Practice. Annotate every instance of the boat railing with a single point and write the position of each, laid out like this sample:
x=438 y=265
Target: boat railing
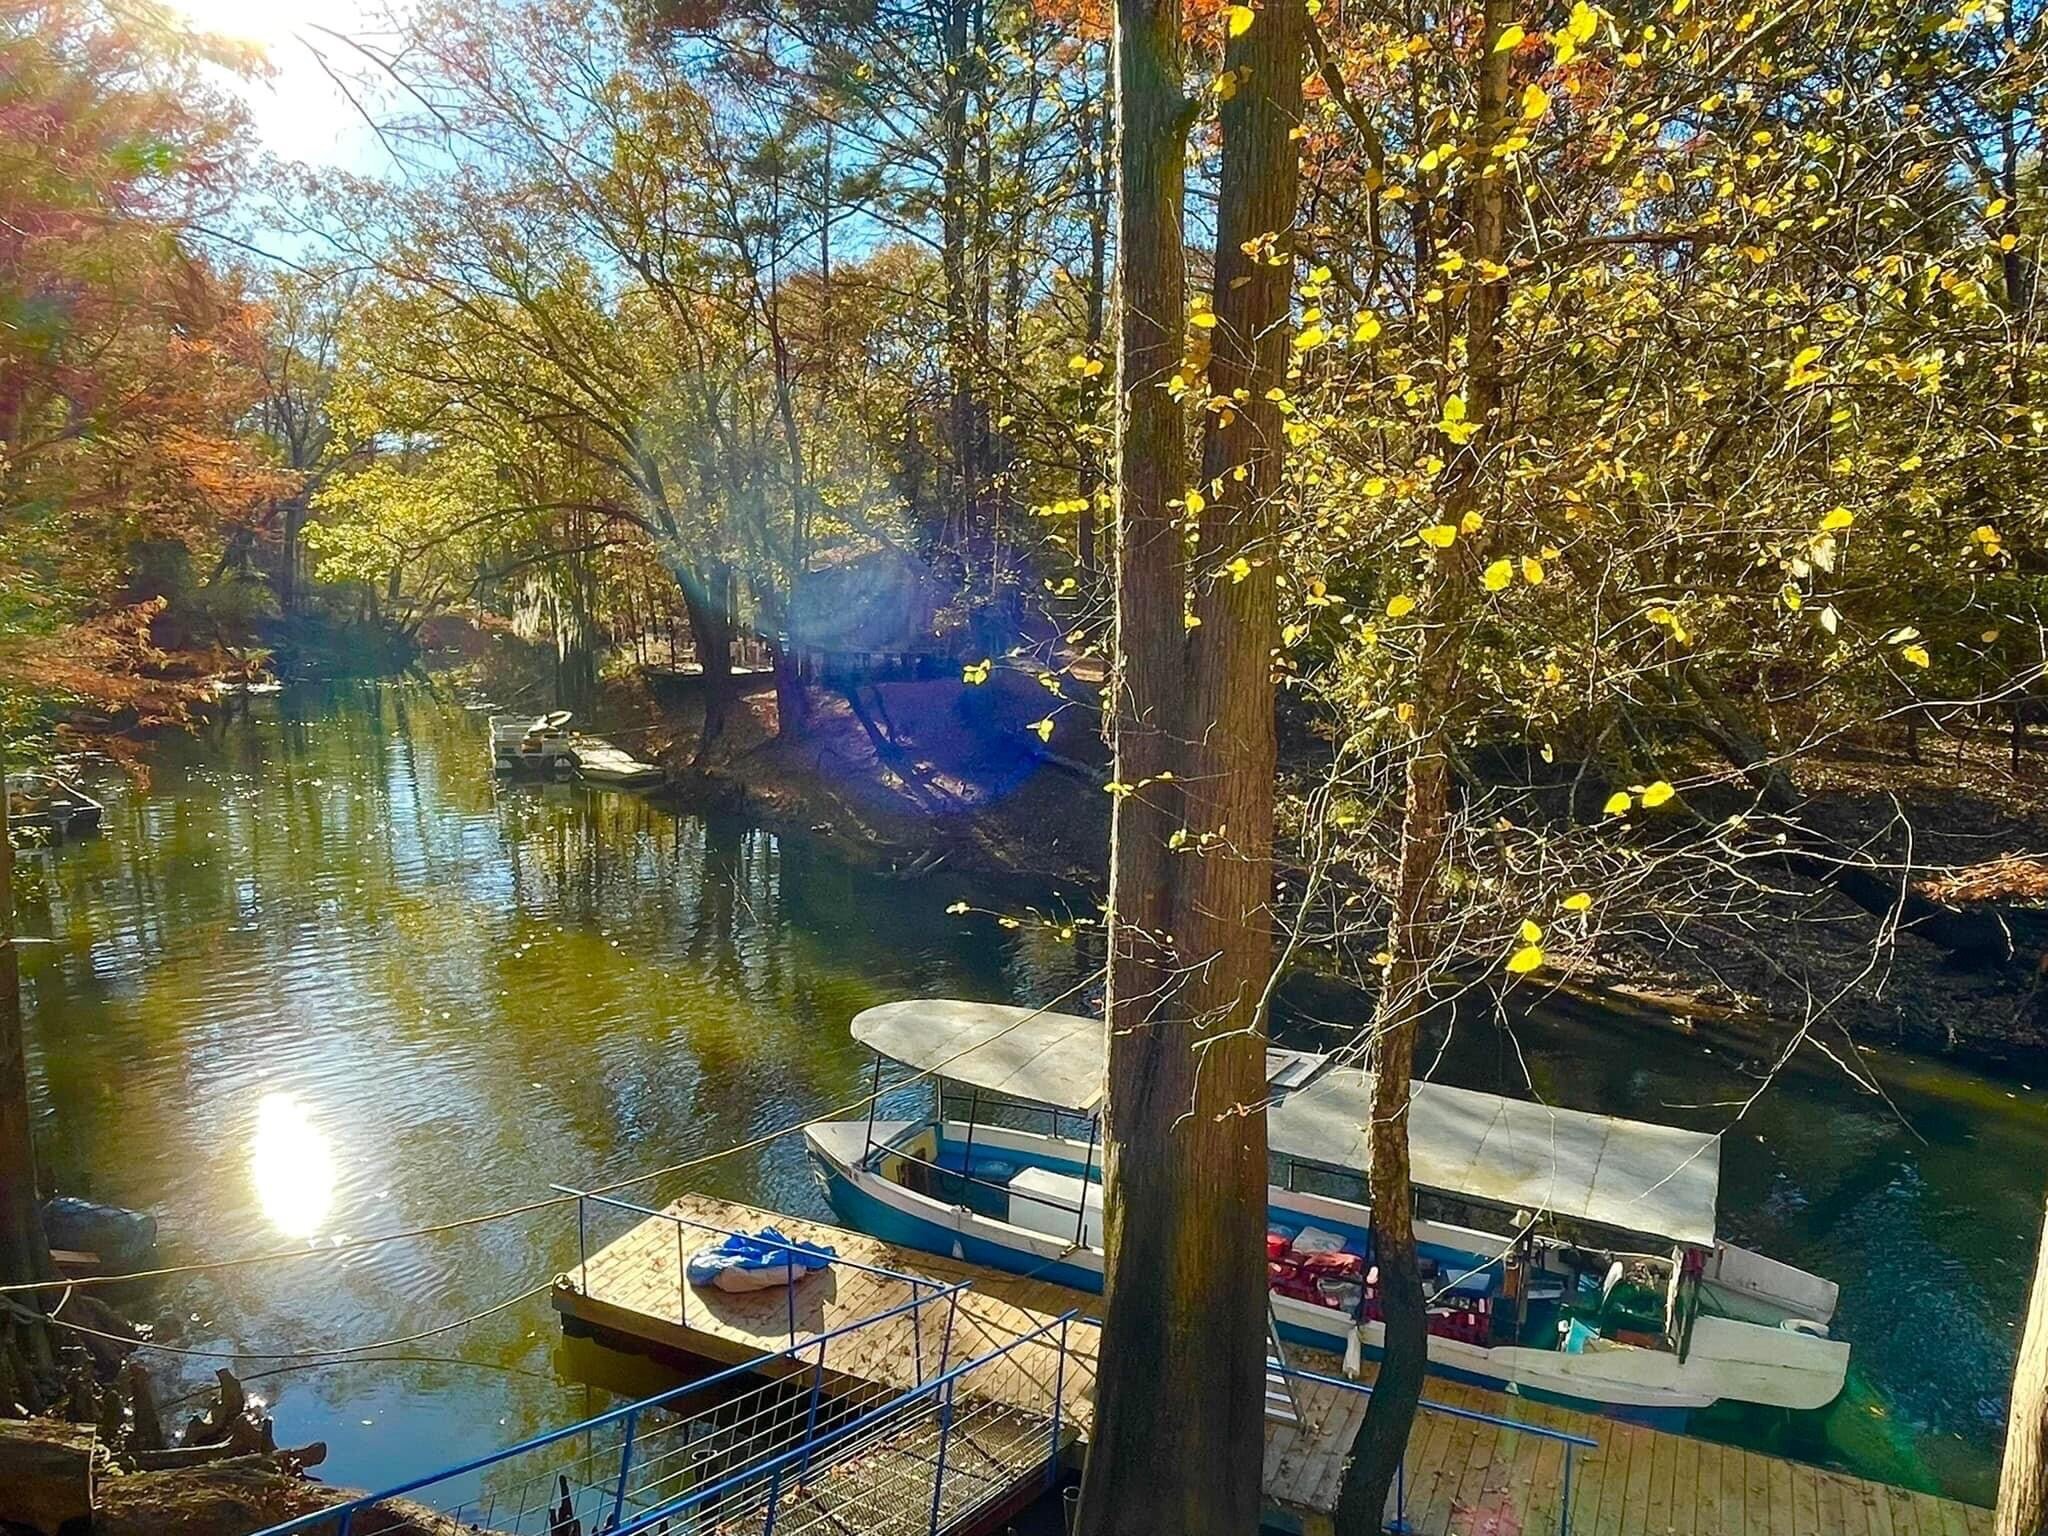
x=930 y=1335
x=1064 y=1207
x=757 y=1446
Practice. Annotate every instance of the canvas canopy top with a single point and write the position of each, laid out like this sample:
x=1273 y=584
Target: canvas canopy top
x=1629 y=1175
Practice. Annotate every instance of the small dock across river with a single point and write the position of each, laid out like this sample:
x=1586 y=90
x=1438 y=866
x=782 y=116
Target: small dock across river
x=1478 y=1460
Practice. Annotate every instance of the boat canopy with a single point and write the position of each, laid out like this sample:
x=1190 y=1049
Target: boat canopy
x=1629 y=1175
x=1048 y=1058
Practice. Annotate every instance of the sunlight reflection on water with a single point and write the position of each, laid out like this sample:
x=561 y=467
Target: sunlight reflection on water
x=291 y=1166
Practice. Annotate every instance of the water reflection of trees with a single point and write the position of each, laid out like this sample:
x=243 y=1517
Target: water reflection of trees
x=475 y=989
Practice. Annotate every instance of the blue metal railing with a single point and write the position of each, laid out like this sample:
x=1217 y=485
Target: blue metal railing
x=794 y=1249
x=1570 y=1441
x=940 y=1391
x=341 y=1516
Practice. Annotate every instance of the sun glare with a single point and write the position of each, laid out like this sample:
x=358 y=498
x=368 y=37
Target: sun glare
x=291 y=1166
x=296 y=107
x=248 y=21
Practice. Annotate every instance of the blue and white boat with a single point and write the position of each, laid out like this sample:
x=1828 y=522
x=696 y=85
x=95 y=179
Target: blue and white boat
x=1590 y=1275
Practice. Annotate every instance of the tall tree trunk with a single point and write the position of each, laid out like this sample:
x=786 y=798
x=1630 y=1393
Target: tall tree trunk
x=1412 y=937
x=707 y=604
x=1094 y=144
x=953 y=264
x=2023 y=1483
x=1155 y=1462
x=1223 y=920
x=25 y=1348
x=1179 y=1403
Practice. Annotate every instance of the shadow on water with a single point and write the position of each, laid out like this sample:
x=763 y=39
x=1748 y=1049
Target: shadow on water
x=322 y=978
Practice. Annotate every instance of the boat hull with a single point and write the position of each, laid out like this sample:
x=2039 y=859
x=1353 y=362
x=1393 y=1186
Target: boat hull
x=1638 y=1385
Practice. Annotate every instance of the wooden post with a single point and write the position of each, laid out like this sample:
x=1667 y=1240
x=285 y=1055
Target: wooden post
x=2023 y=1482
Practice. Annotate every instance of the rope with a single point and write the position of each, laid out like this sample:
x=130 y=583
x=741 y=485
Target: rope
x=340 y=1351
x=278 y=1255
x=355 y=1245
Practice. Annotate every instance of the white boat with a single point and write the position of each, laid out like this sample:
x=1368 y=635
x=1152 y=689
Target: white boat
x=532 y=744
x=1573 y=1256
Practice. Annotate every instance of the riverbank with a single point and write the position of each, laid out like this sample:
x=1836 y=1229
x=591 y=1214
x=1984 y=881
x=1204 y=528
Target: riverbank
x=940 y=774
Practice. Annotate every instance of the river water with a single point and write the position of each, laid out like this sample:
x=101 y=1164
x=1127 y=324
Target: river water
x=320 y=979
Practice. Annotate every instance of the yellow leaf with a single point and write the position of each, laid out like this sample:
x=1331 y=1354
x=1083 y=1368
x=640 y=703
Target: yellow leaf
x=1524 y=960
x=1205 y=320
x=1471 y=523
x=1531 y=930
x=1400 y=607
x=1310 y=339
x=1044 y=728
x=1194 y=501
x=977 y=671
x=1532 y=570
x=1510 y=37
x=1368 y=327
x=1239 y=569
x=1535 y=101
x=1239 y=18
x=1804 y=369
x=1439 y=535
x=1656 y=794
x=1837 y=520
x=1498 y=575
x=1917 y=654
x=1618 y=803
x=1585 y=21
x=1578 y=901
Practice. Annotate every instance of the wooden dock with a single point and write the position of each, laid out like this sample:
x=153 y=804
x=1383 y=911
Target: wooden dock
x=1464 y=1477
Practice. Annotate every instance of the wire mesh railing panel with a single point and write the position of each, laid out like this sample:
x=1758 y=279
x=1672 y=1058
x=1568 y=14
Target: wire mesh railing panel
x=687 y=1452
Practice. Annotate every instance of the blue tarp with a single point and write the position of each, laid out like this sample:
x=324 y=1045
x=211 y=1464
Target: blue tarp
x=740 y=1262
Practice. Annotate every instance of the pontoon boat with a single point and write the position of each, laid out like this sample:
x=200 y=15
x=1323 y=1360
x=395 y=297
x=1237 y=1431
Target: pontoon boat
x=1569 y=1256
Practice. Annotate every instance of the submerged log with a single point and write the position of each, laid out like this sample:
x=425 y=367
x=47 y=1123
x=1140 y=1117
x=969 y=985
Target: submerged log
x=46 y=1473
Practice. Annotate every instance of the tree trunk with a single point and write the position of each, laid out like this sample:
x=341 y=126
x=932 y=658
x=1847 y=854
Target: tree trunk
x=1412 y=937
x=1154 y=1464
x=953 y=263
x=1223 y=920
x=1093 y=134
x=2023 y=1483
x=1179 y=1404
x=707 y=605
x=24 y=1248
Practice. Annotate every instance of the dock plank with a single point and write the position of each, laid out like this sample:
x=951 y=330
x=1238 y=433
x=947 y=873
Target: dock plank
x=1459 y=1476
